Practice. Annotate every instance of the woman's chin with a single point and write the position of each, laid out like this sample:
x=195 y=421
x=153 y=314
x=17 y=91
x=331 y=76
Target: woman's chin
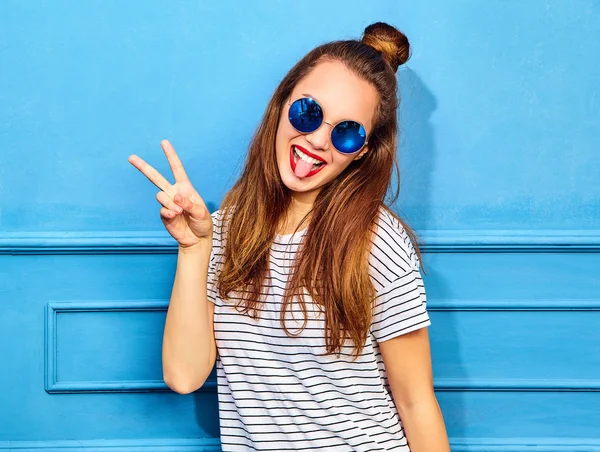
x=296 y=184
x=299 y=184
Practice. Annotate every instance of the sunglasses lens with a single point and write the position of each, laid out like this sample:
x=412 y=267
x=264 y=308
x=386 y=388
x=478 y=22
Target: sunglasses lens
x=348 y=137
x=305 y=115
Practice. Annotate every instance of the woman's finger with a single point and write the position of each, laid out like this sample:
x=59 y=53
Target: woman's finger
x=167 y=202
x=167 y=214
x=193 y=209
x=174 y=161
x=155 y=177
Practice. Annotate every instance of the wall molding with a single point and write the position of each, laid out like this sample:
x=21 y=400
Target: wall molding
x=516 y=385
x=510 y=240
x=111 y=242
x=55 y=386
x=213 y=445
x=513 y=304
x=520 y=384
x=125 y=445
x=525 y=445
x=160 y=242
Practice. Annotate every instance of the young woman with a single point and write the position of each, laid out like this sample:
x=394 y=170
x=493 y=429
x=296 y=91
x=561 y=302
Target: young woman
x=304 y=284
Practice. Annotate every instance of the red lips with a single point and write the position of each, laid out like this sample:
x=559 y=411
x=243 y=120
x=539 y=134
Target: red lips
x=293 y=161
x=310 y=154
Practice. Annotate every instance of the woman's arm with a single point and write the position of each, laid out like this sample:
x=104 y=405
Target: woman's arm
x=407 y=360
x=189 y=349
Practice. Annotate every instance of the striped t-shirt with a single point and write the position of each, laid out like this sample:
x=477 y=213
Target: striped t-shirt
x=280 y=393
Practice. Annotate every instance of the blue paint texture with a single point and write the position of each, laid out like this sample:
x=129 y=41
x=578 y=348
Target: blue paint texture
x=500 y=171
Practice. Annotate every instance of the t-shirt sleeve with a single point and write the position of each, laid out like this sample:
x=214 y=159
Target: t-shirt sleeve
x=400 y=306
x=212 y=291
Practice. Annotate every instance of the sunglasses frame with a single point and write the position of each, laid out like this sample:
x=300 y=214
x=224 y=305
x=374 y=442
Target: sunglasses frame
x=333 y=126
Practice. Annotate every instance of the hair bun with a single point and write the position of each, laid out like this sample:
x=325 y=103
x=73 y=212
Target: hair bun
x=388 y=40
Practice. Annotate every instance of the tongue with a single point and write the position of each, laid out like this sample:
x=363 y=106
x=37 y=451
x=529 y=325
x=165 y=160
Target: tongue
x=302 y=168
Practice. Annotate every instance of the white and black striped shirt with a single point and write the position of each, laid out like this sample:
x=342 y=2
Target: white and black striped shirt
x=279 y=393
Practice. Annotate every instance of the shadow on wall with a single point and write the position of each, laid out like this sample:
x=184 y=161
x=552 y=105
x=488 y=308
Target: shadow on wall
x=206 y=409
x=416 y=159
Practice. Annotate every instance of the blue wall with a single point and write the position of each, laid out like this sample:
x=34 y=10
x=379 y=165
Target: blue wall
x=500 y=177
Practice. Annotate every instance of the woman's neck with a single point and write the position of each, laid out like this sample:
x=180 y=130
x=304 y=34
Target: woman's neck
x=298 y=209
x=302 y=202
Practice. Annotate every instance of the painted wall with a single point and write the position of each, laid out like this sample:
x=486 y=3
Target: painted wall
x=500 y=117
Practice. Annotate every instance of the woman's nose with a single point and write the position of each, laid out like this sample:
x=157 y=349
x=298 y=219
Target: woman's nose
x=319 y=139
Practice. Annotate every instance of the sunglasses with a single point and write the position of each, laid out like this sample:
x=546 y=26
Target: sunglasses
x=306 y=116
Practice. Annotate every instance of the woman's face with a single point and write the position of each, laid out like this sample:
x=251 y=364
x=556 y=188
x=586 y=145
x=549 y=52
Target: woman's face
x=342 y=95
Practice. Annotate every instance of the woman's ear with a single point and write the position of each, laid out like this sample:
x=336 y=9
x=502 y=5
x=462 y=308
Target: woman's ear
x=359 y=156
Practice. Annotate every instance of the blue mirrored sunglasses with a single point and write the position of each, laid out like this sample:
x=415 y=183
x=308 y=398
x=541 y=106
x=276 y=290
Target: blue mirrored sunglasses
x=306 y=116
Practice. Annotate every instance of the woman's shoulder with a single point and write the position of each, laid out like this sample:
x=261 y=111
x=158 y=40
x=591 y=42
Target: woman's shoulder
x=217 y=216
x=220 y=217
x=392 y=249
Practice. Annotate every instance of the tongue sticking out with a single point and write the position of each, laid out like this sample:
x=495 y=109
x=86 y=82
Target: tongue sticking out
x=302 y=168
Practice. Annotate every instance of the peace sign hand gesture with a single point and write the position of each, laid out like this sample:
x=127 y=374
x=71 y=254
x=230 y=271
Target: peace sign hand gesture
x=184 y=213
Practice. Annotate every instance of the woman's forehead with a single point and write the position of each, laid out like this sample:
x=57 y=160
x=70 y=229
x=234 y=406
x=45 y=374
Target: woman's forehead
x=341 y=93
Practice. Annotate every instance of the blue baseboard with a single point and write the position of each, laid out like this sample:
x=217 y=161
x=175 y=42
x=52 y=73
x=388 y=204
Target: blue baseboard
x=129 y=445
x=525 y=445
x=213 y=445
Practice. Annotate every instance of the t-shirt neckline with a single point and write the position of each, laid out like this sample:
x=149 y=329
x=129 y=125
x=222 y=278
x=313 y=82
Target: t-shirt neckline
x=289 y=237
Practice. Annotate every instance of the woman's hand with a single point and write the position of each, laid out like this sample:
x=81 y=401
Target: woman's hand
x=183 y=211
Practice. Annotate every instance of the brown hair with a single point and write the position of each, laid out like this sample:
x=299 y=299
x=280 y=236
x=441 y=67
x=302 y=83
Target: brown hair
x=332 y=263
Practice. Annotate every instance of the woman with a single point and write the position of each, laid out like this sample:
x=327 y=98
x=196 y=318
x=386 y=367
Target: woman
x=317 y=307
